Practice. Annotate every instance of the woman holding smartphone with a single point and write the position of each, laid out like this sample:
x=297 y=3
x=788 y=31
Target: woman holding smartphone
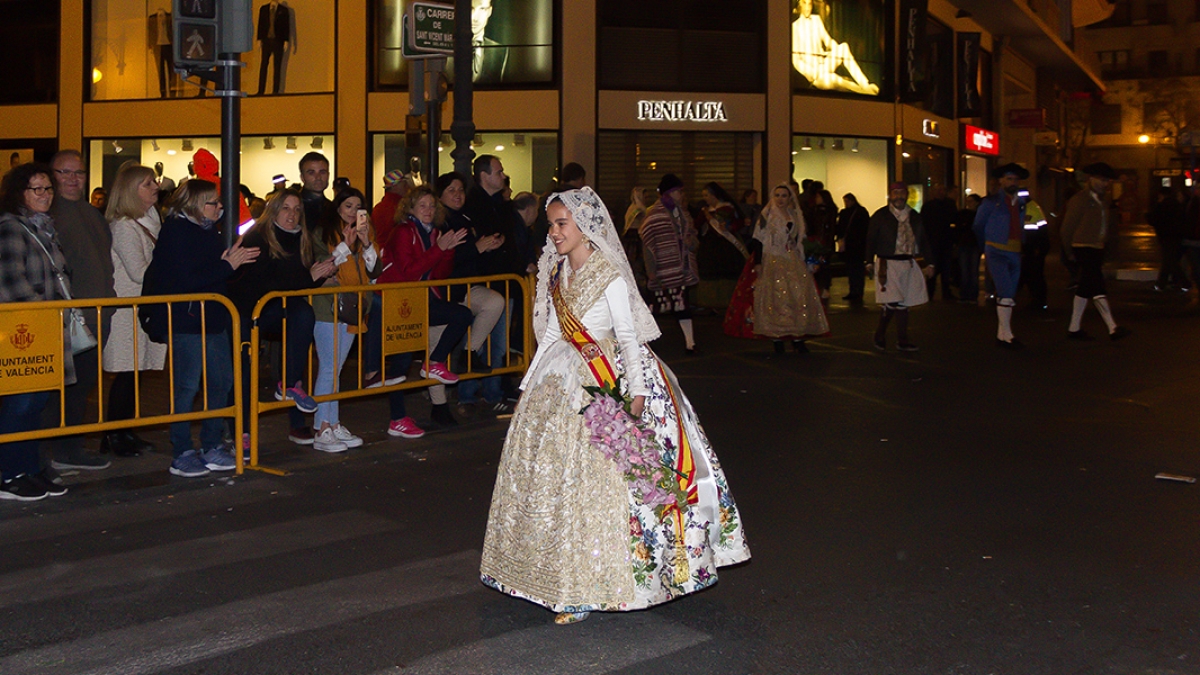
x=347 y=237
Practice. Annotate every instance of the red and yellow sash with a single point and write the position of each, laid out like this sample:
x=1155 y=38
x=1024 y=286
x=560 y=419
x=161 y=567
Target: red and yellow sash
x=574 y=333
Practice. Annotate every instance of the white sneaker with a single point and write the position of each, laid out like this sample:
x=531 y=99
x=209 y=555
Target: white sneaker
x=326 y=441
x=343 y=434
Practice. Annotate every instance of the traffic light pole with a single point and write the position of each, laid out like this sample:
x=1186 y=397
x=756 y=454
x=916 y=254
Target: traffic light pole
x=231 y=141
x=462 y=129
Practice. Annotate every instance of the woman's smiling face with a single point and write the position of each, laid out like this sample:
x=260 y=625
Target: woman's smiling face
x=39 y=194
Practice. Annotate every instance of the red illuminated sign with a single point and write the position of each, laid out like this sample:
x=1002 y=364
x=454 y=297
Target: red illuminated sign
x=979 y=140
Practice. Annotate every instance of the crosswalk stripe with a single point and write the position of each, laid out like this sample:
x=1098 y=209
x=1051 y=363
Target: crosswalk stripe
x=97 y=518
x=605 y=643
x=179 y=557
x=183 y=640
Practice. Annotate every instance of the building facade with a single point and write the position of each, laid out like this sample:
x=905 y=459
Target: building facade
x=855 y=93
x=1149 y=53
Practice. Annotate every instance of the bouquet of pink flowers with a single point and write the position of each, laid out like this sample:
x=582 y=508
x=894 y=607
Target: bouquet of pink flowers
x=627 y=441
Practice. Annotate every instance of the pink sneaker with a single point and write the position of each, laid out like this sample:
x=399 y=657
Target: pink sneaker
x=438 y=371
x=405 y=428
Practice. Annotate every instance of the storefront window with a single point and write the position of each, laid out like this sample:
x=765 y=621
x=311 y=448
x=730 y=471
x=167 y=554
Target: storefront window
x=855 y=165
x=838 y=45
x=262 y=158
x=131 y=50
x=530 y=159
x=514 y=43
x=629 y=159
x=682 y=45
x=975 y=175
x=923 y=167
x=29 y=45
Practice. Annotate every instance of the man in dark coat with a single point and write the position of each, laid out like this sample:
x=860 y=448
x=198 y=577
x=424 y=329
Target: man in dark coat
x=896 y=242
x=852 y=225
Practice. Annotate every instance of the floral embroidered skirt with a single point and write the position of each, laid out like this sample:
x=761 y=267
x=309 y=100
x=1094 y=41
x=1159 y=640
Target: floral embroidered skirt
x=565 y=531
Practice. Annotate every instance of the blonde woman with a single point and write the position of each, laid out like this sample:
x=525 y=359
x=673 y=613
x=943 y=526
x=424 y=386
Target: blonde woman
x=133 y=218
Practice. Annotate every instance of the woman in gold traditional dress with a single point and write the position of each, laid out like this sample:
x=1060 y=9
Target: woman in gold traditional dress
x=787 y=303
x=566 y=530
x=776 y=296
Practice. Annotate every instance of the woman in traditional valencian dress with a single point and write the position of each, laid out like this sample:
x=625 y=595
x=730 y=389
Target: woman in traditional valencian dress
x=566 y=529
x=776 y=296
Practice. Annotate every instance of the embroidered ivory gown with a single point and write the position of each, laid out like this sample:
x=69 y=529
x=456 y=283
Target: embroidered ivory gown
x=564 y=530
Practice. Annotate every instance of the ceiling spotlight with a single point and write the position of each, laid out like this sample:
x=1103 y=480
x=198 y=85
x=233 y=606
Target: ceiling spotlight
x=317 y=142
x=187 y=145
x=478 y=140
x=820 y=143
x=807 y=144
x=518 y=139
x=839 y=144
x=154 y=144
x=268 y=143
x=291 y=145
x=117 y=147
x=855 y=148
x=447 y=139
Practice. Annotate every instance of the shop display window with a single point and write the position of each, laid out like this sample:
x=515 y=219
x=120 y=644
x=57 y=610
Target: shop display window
x=975 y=175
x=530 y=159
x=923 y=167
x=629 y=159
x=682 y=45
x=844 y=164
x=173 y=159
x=29 y=45
x=838 y=46
x=131 y=50
x=514 y=43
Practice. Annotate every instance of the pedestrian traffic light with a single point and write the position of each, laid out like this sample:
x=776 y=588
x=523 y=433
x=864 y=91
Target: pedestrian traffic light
x=196 y=33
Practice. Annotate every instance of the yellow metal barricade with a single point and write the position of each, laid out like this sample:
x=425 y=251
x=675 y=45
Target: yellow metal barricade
x=31 y=359
x=406 y=304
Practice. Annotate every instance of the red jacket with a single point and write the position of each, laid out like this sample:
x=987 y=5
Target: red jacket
x=405 y=257
x=383 y=216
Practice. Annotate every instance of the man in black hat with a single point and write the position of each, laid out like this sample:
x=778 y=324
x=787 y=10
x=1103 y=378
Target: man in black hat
x=1089 y=225
x=669 y=243
x=1000 y=225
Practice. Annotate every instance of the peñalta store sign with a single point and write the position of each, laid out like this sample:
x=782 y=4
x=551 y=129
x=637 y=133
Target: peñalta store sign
x=681 y=111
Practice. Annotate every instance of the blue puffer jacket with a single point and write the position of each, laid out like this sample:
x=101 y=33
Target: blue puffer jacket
x=991 y=220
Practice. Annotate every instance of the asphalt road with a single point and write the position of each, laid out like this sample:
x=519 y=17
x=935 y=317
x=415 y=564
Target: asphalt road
x=961 y=510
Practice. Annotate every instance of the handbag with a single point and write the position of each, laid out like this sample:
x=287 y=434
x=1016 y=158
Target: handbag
x=78 y=333
x=347 y=303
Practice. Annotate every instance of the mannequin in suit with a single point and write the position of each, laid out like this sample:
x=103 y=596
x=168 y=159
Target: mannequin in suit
x=274 y=32
x=158 y=39
x=489 y=58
